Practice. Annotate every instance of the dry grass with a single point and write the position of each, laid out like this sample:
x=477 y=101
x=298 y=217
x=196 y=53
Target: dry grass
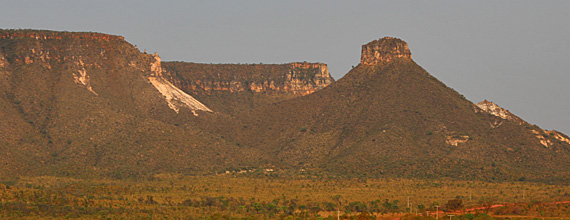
x=167 y=196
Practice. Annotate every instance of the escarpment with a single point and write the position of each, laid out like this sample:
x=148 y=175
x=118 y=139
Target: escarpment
x=299 y=78
x=95 y=61
x=55 y=35
x=93 y=103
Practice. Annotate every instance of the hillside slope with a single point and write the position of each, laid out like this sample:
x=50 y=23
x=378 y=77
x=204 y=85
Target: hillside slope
x=389 y=117
x=83 y=103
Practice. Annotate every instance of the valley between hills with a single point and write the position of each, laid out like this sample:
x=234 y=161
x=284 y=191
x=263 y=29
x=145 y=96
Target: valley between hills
x=91 y=127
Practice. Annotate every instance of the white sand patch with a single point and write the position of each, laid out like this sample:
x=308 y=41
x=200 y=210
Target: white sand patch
x=175 y=97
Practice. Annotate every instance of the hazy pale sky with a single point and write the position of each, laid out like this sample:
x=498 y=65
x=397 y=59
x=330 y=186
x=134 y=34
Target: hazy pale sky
x=514 y=53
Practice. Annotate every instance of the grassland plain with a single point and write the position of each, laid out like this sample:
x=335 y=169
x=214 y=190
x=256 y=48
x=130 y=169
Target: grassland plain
x=263 y=196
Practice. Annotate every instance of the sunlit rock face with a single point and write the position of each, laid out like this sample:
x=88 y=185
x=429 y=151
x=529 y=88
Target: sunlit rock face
x=298 y=78
x=384 y=50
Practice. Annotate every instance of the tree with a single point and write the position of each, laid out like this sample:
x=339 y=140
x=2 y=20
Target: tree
x=487 y=202
x=391 y=206
x=258 y=207
x=336 y=198
x=329 y=206
x=454 y=204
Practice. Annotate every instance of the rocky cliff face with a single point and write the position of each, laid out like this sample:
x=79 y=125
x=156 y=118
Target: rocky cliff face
x=300 y=78
x=305 y=78
x=384 y=50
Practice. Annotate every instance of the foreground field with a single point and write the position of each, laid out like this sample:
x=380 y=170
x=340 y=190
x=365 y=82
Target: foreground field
x=234 y=196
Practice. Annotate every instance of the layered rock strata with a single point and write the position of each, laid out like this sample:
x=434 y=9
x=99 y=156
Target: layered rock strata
x=384 y=50
x=300 y=78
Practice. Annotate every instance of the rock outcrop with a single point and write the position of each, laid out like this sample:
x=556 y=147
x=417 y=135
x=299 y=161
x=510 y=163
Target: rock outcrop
x=384 y=50
x=558 y=136
x=496 y=110
x=305 y=78
x=82 y=78
x=299 y=78
x=545 y=137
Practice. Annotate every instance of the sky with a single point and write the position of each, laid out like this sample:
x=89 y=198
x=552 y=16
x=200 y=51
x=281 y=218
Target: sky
x=513 y=53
